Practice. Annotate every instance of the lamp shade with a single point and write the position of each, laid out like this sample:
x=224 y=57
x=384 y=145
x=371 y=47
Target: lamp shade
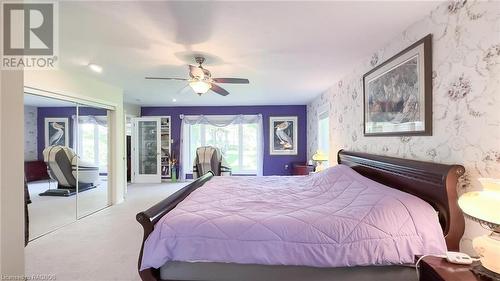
x=490 y=184
x=483 y=205
x=200 y=87
x=319 y=156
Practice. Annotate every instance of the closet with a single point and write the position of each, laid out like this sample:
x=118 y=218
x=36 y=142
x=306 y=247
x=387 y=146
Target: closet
x=67 y=161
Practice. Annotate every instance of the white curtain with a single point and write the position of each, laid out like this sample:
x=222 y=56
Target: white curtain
x=91 y=119
x=88 y=119
x=219 y=121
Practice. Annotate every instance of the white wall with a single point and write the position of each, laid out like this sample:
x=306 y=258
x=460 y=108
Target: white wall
x=11 y=174
x=466 y=98
x=132 y=109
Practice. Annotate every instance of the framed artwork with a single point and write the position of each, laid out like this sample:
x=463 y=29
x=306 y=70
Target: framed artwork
x=56 y=131
x=397 y=94
x=283 y=135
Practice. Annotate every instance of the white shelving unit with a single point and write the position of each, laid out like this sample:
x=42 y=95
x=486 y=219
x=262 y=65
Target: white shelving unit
x=166 y=146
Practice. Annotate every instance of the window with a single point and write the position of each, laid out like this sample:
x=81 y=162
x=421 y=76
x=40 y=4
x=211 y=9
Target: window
x=93 y=144
x=237 y=142
x=324 y=132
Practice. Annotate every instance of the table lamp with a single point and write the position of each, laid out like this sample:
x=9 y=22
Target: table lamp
x=319 y=157
x=484 y=208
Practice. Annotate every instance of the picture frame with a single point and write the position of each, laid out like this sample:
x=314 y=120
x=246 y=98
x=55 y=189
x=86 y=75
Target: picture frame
x=56 y=131
x=397 y=94
x=283 y=135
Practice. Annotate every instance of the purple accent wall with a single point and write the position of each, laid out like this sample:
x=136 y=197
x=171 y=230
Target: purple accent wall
x=273 y=164
x=60 y=112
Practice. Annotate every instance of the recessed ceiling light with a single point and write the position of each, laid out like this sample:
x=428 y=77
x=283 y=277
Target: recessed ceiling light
x=94 y=67
x=174 y=100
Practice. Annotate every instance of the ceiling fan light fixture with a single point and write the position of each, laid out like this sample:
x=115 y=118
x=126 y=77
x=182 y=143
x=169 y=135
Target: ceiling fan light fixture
x=200 y=79
x=200 y=87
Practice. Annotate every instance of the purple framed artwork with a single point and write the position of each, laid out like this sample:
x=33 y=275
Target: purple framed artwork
x=283 y=135
x=56 y=132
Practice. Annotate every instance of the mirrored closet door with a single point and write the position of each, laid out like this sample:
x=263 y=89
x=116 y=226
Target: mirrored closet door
x=66 y=162
x=92 y=148
x=48 y=170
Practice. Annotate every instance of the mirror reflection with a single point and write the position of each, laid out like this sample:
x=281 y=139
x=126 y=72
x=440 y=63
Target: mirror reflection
x=48 y=155
x=92 y=148
x=66 y=162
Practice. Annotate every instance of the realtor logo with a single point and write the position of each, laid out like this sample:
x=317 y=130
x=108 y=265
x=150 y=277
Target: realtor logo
x=29 y=35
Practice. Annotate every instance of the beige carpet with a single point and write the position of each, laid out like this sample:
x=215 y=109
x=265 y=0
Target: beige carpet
x=51 y=212
x=103 y=246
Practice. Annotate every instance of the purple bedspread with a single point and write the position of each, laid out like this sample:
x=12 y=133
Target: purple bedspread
x=330 y=219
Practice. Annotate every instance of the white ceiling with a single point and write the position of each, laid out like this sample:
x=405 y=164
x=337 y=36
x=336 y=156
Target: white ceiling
x=290 y=51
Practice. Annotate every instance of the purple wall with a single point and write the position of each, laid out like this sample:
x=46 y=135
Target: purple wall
x=60 y=112
x=273 y=164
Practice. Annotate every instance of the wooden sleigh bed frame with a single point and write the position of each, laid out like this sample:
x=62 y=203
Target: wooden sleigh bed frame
x=434 y=183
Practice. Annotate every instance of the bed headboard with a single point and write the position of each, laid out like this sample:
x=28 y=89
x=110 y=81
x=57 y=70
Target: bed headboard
x=435 y=183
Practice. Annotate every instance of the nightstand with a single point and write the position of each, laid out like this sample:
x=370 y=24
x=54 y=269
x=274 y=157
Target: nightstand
x=299 y=169
x=438 y=269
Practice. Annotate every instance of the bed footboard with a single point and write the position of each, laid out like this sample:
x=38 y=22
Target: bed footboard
x=151 y=216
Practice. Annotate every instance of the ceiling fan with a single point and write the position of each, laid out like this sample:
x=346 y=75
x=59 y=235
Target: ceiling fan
x=201 y=80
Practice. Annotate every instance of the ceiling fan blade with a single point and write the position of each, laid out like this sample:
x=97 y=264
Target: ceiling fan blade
x=181 y=93
x=166 y=78
x=231 y=80
x=219 y=90
x=185 y=90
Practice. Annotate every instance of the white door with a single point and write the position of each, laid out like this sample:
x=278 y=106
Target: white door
x=147 y=150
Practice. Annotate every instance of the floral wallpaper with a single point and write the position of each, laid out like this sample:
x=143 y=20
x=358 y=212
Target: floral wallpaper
x=30 y=133
x=466 y=97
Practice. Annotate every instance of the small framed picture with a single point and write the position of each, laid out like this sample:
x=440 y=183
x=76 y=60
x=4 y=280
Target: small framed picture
x=398 y=93
x=283 y=135
x=56 y=131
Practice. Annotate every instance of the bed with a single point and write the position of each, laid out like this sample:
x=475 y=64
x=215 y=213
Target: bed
x=280 y=228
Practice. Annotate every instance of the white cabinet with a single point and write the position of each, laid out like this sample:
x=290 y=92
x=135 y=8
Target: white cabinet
x=151 y=149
